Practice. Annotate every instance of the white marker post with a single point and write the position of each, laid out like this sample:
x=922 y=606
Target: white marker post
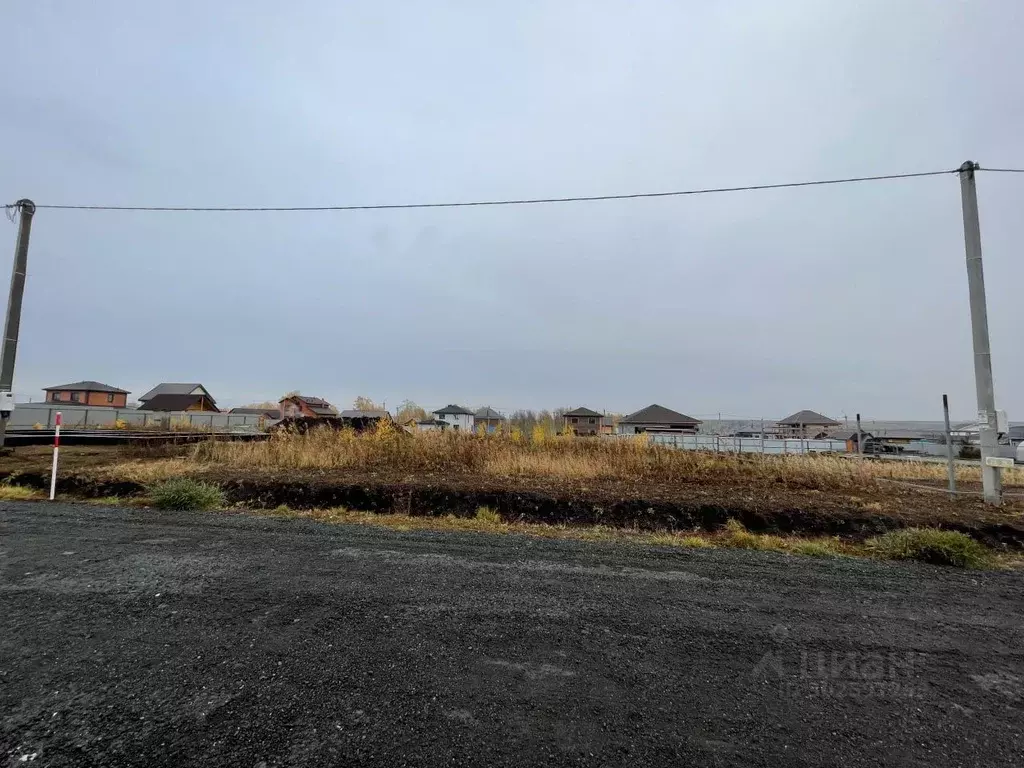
x=56 y=450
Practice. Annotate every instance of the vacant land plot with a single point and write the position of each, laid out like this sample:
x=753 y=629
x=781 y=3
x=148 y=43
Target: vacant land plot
x=555 y=480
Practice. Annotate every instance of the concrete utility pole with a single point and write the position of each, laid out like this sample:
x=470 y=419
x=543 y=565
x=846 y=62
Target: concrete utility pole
x=950 y=467
x=13 y=323
x=990 y=478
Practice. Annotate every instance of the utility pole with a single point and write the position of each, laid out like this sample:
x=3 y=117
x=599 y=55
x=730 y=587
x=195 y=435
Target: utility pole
x=950 y=467
x=990 y=478
x=13 y=323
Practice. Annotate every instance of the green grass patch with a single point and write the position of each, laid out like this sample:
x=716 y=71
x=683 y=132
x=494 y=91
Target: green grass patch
x=183 y=493
x=816 y=547
x=18 y=493
x=931 y=545
x=487 y=515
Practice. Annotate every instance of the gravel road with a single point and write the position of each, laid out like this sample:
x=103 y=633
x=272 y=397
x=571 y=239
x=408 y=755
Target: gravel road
x=132 y=637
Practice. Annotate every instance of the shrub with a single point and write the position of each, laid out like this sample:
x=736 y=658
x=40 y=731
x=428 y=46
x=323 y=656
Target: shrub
x=931 y=545
x=185 y=493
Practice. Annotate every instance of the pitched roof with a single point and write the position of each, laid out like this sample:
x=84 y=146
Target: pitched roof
x=453 y=410
x=173 y=402
x=488 y=414
x=358 y=414
x=658 y=414
x=808 y=418
x=175 y=388
x=88 y=386
x=317 y=405
x=581 y=411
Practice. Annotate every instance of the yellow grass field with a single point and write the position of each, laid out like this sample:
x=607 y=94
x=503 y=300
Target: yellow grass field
x=540 y=456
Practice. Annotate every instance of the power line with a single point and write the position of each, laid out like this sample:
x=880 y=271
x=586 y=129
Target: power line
x=1003 y=170
x=479 y=203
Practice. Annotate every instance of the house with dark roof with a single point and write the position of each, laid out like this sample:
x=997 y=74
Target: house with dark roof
x=91 y=393
x=582 y=421
x=179 y=388
x=657 y=418
x=168 y=402
x=490 y=418
x=806 y=425
x=296 y=406
x=458 y=418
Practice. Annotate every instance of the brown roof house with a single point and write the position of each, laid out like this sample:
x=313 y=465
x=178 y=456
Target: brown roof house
x=805 y=425
x=90 y=393
x=657 y=418
x=582 y=421
x=295 y=406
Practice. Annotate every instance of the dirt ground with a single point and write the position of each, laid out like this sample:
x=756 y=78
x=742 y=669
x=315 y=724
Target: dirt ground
x=785 y=507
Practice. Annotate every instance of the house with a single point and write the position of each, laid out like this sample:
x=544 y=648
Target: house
x=805 y=425
x=270 y=413
x=360 y=419
x=295 y=406
x=172 y=388
x=490 y=418
x=582 y=421
x=458 y=418
x=88 y=393
x=658 y=418
x=179 y=403
x=427 y=425
x=849 y=436
x=607 y=425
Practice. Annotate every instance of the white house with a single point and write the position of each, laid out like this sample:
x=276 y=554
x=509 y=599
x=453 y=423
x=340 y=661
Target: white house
x=458 y=418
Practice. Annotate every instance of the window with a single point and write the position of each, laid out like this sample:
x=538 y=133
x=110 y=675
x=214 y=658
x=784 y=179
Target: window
x=76 y=397
x=575 y=420
x=110 y=397
x=593 y=422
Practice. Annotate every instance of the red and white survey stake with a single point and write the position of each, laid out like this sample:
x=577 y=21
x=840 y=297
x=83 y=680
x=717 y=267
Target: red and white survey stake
x=56 y=450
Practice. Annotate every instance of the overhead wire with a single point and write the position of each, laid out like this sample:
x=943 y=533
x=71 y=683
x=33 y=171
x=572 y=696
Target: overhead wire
x=500 y=202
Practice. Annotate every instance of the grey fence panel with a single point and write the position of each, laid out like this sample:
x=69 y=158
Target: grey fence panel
x=720 y=444
x=28 y=415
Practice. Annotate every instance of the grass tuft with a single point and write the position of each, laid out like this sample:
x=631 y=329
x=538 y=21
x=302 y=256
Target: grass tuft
x=488 y=515
x=18 y=493
x=816 y=547
x=931 y=545
x=186 y=494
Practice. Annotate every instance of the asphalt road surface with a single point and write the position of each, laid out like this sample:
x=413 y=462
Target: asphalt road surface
x=133 y=637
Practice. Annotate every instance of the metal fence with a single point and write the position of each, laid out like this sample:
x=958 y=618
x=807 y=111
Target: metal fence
x=28 y=415
x=722 y=444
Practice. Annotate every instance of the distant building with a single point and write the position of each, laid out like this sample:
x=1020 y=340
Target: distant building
x=427 y=425
x=849 y=436
x=607 y=425
x=658 y=418
x=806 y=425
x=270 y=413
x=458 y=418
x=490 y=418
x=582 y=421
x=296 y=406
x=90 y=393
x=179 y=403
x=173 y=388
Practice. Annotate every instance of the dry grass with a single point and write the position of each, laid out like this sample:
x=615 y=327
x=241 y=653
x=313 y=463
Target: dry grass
x=565 y=458
x=18 y=493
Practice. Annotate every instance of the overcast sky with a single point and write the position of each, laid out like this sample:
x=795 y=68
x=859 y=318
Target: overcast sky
x=839 y=299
